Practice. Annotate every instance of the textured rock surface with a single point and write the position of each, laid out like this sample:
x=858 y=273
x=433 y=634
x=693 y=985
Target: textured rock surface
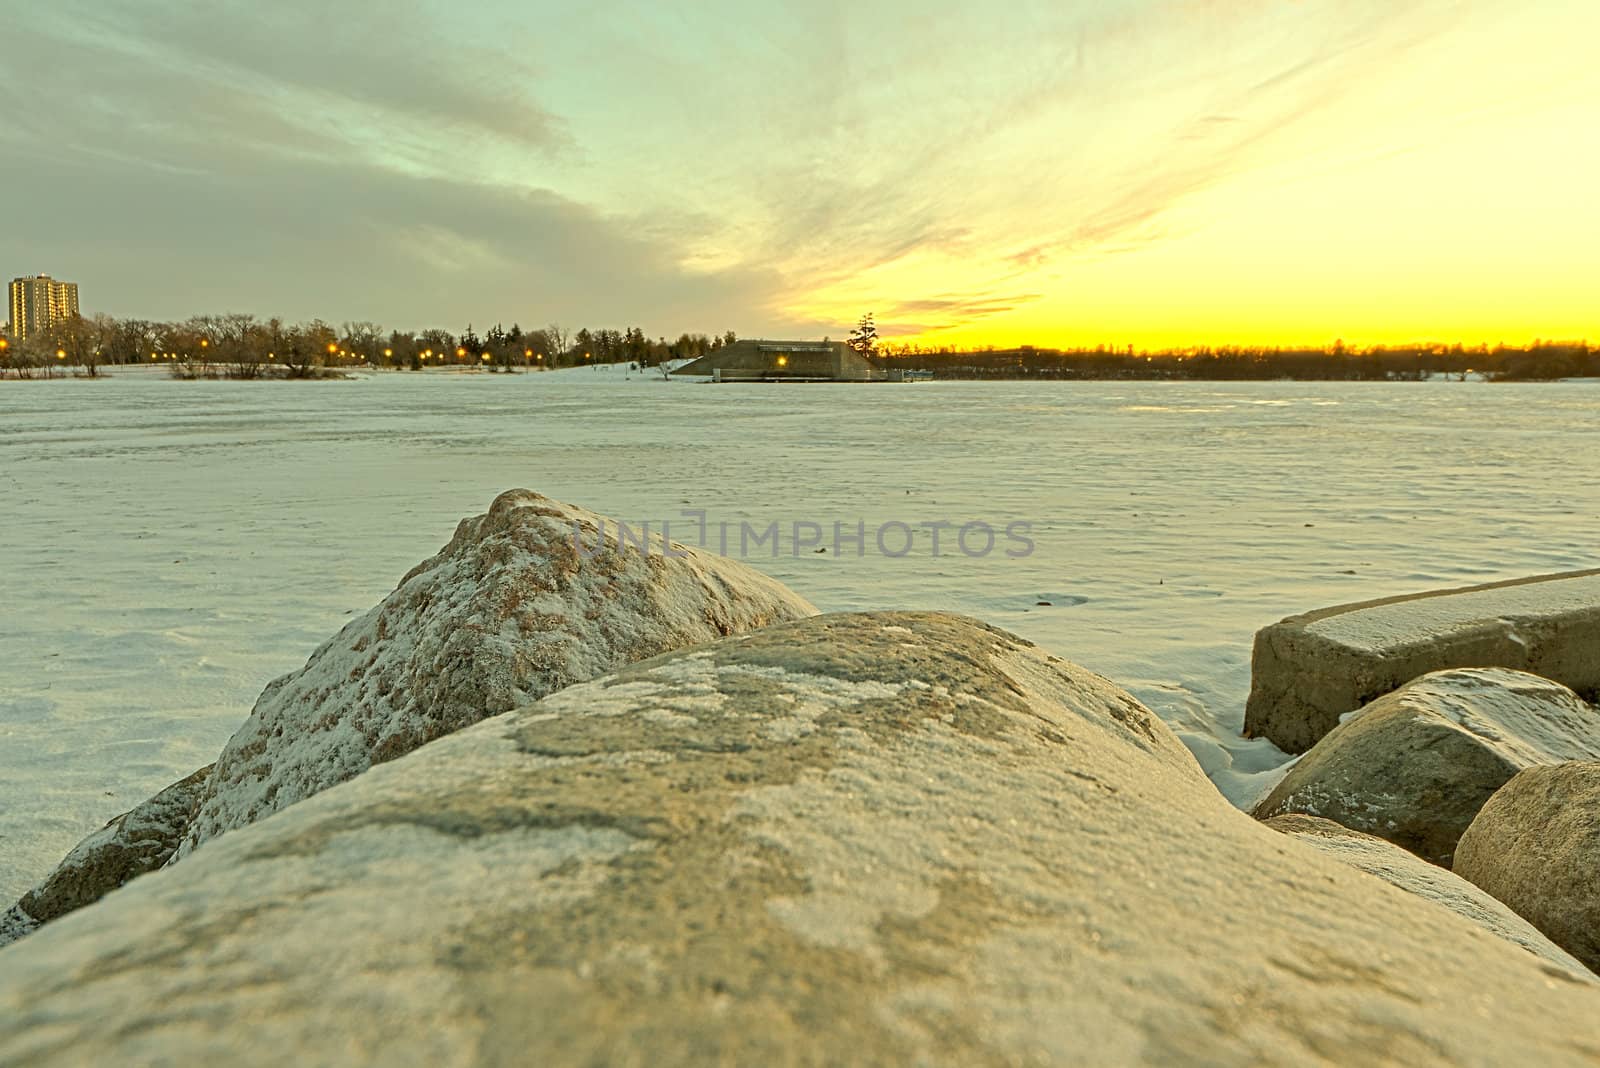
x=1309 y=670
x=140 y=840
x=1536 y=847
x=886 y=839
x=518 y=605
x=1414 y=875
x=1416 y=765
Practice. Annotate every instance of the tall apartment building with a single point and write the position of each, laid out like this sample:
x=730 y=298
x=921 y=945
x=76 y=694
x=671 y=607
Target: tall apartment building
x=38 y=301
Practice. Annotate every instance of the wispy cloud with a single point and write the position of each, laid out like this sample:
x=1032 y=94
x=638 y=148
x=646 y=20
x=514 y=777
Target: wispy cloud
x=716 y=165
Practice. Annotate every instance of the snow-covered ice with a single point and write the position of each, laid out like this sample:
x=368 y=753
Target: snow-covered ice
x=173 y=546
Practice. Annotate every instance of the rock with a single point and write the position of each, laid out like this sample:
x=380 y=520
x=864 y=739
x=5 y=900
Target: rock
x=899 y=838
x=1309 y=670
x=1536 y=847
x=140 y=840
x=1410 y=873
x=527 y=599
x=15 y=924
x=1416 y=765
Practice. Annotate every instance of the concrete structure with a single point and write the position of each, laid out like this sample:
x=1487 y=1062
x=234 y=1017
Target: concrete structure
x=38 y=301
x=1309 y=670
x=784 y=361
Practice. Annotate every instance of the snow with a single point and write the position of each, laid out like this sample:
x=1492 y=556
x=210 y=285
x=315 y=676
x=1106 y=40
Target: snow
x=171 y=547
x=1383 y=626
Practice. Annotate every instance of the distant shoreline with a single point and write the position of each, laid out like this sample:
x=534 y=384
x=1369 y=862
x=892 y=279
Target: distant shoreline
x=146 y=373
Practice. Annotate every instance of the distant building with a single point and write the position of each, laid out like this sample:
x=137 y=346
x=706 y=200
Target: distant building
x=39 y=301
x=780 y=361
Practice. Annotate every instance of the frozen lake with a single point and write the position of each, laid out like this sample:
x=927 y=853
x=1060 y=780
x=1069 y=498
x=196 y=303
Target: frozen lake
x=172 y=546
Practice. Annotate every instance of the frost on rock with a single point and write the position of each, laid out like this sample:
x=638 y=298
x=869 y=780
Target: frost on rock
x=825 y=843
x=138 y=841
x=14 y=924
x=525 y=600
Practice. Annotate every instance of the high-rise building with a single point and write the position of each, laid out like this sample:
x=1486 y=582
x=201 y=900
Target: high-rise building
x=38 y=301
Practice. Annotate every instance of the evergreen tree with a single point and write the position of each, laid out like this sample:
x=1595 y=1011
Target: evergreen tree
x=864 y=338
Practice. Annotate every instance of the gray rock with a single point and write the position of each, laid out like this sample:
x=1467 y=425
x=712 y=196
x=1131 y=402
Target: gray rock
x=1414 y=875
x=15 y=924
x=877 y=839
x=1536 y=847
x=1309 y=670
x=138 y=841
x=1416 y=765
x=527 y=599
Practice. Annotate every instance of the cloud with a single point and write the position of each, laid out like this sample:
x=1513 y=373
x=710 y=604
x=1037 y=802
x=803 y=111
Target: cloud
x=705 y=168
x=308 y=63
x=356 y=241
x=186 y=182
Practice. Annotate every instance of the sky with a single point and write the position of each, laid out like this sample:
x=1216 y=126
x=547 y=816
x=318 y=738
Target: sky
x=1065 y=172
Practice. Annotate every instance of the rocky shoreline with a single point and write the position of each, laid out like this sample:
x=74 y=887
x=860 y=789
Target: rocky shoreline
x=645 y=805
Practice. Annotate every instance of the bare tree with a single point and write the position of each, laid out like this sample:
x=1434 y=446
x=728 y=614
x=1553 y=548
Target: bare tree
x=560 y=341
x=237 y=341
x=77 y=342
x=22 y=357
x=363 y=340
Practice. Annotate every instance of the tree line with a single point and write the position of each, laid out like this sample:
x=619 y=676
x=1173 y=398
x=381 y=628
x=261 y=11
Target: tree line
x=245 y=347
x=1539 y=361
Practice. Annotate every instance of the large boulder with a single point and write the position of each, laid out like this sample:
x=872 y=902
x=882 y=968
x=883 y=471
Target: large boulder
x=872 y=839
x=531 y=597
x=1416 y=765
x=140 y=840
x=1309 y=670
x=1414 y=875
x=1536 y=847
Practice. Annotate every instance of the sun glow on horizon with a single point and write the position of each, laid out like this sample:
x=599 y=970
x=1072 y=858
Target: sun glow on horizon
x=1146 y=172
x=1446 y=198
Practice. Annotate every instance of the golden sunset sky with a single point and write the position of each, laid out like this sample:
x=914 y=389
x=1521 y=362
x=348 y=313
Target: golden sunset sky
x=1147 y=172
